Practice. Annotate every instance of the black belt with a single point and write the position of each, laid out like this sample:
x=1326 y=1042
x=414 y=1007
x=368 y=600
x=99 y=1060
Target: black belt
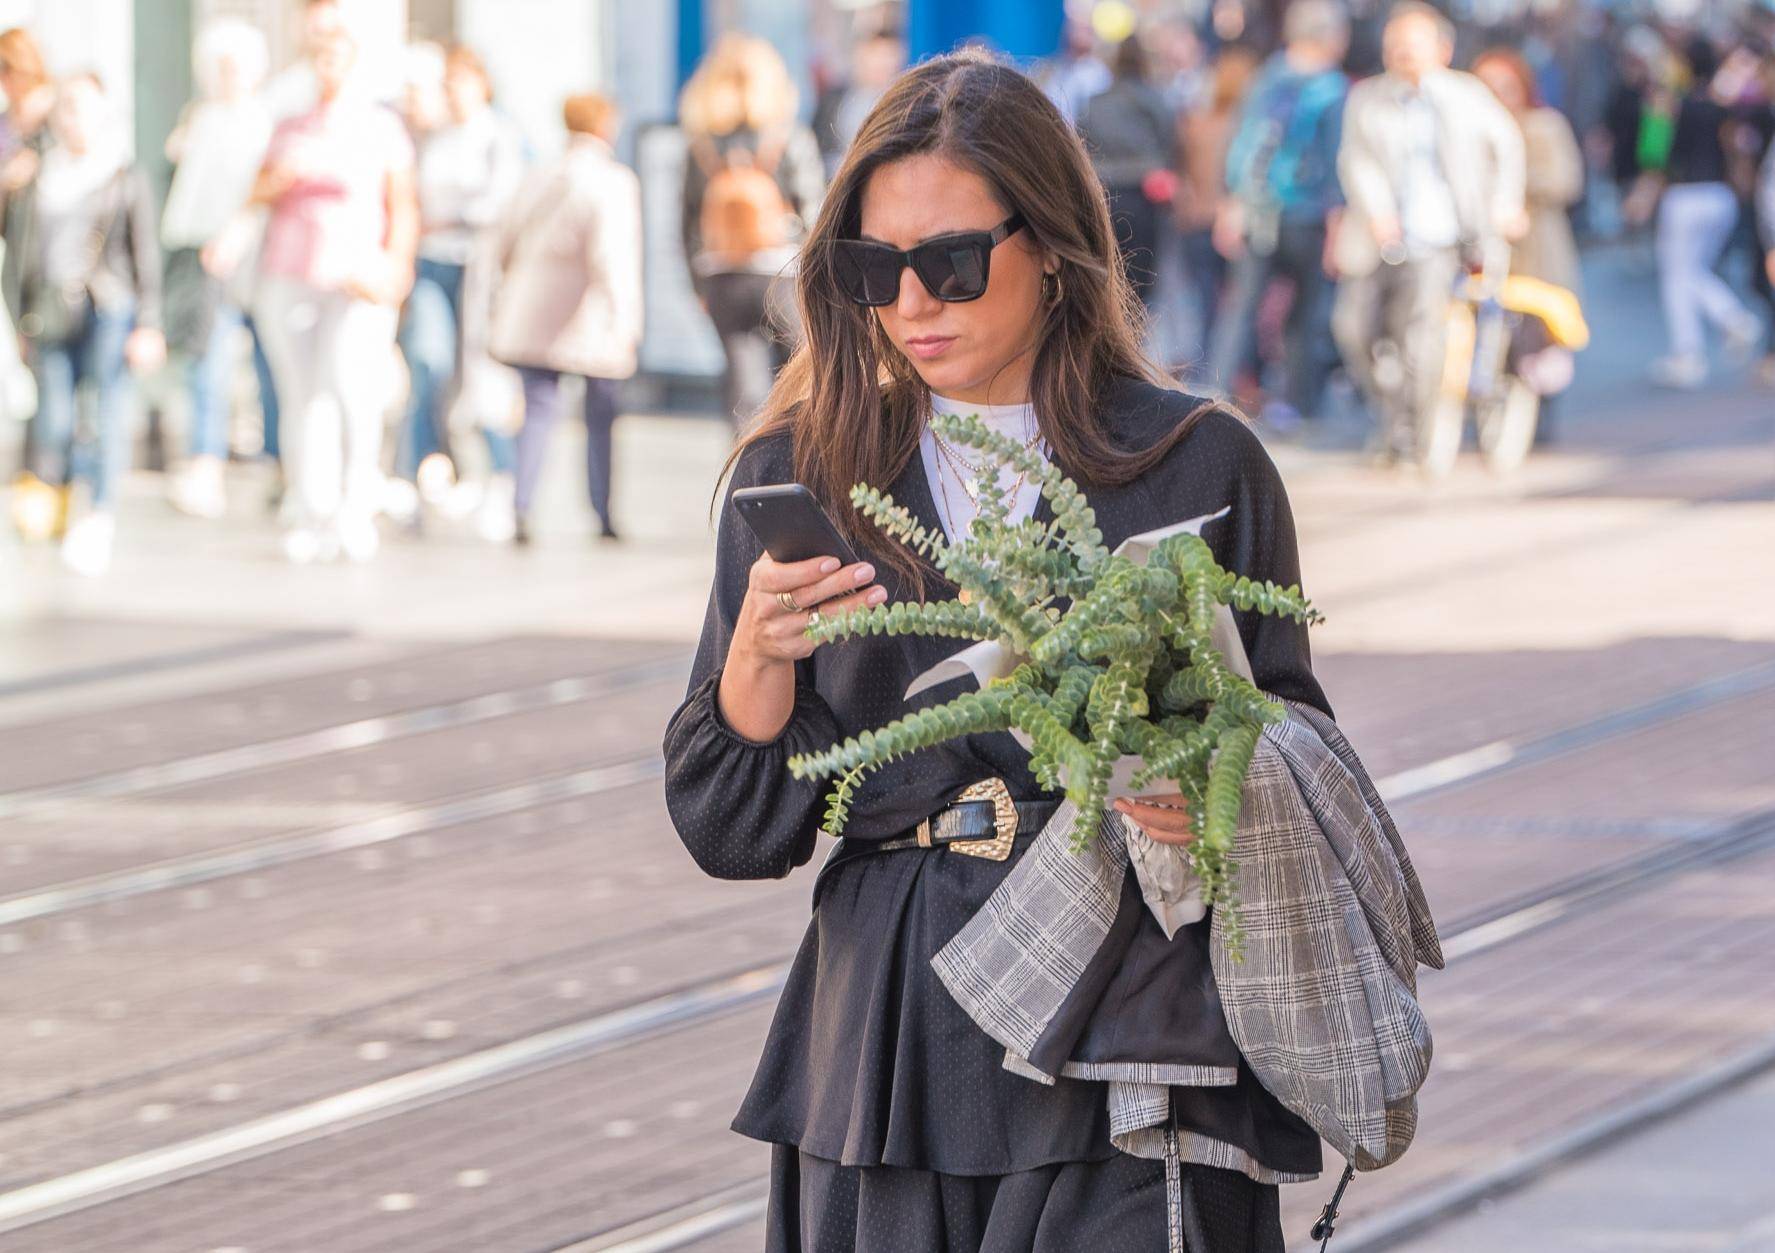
x=981 y=822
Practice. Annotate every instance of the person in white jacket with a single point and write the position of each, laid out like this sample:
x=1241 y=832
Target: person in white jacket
x=1433 y=174
x=569 y=296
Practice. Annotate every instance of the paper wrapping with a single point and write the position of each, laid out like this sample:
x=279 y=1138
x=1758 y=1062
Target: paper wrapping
x=1167 y=883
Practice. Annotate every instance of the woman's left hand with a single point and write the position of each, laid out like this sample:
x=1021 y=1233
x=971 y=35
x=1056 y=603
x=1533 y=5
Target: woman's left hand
x=1165 y=818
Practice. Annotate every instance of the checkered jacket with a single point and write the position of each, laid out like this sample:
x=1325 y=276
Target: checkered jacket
x=1323 y=1007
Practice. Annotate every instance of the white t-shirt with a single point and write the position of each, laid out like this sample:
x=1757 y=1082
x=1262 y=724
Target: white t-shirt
x=1017 y=422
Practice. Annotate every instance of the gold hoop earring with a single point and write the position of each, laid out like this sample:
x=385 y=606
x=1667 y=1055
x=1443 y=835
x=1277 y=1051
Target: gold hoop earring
x=1059 y=289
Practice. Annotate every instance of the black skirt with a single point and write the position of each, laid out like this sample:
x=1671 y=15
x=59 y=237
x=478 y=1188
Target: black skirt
x=1119 y=1205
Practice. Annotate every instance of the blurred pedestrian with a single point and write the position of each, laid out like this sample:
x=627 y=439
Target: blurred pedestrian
x=1555 y=180
x=569 y=297
x=336 y=263
x=1075 y=73
x=89 y=295
x=1432 y=172
x=38 y=511
x=876 y=58
x=1697 y=211
x=1205 y=133
x=469 y=168
x=1282 y=202
x=753 y=179
x=216 y=149
x=1131 y=136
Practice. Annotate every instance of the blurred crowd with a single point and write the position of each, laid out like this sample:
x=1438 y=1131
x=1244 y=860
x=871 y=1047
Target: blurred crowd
x=419 y=297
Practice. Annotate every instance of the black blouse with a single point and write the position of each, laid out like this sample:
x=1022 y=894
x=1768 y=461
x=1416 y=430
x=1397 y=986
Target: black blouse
x=869 y=1061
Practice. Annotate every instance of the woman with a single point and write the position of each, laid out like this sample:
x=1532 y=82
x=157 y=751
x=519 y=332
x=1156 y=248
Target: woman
x=217 y=147
x=336 y=263
x=1131 y=133
x=1555 y=170
x=38 y=510
x=569 y=300
x=89 y=300
x=468 y=170
x=893 y=1121
x=1696 y=216
x=740 y=230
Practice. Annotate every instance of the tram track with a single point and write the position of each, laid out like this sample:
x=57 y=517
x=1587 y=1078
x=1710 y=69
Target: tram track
x=1453 y=770
x=359 y=733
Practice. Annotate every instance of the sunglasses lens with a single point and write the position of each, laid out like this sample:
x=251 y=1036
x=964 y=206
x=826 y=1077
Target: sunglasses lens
x=869 y=275
x=952 y=271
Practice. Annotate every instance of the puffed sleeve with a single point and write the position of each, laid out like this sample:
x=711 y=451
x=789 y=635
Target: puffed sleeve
x=1257 y=540
x=731 y=799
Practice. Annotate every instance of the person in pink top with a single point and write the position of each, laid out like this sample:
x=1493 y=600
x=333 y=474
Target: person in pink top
x=336 y=263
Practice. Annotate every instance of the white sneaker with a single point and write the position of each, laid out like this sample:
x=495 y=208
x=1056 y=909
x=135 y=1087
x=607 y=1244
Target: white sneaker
x=301 y=546
x=86 y=549
x=496 y=521
x=400 y=499
x=1682 y=373
x=199 y=490
x=358 y=538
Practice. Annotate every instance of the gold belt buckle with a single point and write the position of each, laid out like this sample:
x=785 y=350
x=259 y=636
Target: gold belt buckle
x=1004 y=821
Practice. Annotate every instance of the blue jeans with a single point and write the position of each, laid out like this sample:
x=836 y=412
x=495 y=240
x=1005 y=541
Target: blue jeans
x=542 y=405
x=93 y=354
x=207 y=378
x=429 y=342
x=267 y=394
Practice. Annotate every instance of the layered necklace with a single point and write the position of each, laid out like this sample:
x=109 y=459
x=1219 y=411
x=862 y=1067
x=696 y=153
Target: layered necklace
x=969 y=474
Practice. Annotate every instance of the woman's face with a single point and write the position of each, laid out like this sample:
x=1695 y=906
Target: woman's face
x=969 y=349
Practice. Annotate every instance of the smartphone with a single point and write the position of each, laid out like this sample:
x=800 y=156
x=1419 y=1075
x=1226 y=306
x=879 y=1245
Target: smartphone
x=789 y=522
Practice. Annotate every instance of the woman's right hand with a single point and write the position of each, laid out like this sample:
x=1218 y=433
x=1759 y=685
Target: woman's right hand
x=767 y=631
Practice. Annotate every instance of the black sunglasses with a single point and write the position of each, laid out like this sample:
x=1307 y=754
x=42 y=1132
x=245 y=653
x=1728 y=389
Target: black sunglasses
x=952 y=268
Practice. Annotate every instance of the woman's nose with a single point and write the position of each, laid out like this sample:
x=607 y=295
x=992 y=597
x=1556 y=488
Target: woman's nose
x=914 y=302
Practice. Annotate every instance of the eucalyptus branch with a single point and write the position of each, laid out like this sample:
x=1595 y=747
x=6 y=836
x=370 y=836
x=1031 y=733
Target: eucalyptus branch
x=1130 y=669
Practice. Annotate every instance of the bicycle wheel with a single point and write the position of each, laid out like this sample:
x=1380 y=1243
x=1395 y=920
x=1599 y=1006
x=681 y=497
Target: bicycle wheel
x=1507 y=426
x=1439 y=435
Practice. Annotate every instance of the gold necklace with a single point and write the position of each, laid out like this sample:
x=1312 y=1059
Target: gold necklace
x=1028 y=445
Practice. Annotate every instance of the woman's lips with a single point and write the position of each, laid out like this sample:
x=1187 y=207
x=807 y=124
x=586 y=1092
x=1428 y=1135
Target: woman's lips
x=929 y=347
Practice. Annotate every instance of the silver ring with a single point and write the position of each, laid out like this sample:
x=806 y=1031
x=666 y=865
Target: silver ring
x=787 y=601
x=813 y=616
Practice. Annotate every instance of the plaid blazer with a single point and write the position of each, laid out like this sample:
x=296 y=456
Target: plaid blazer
x=1323 y=1007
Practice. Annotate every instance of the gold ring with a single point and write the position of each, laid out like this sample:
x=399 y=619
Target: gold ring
x=787 y=601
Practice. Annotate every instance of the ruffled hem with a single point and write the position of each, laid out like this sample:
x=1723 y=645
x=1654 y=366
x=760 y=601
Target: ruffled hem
x=869 y=1062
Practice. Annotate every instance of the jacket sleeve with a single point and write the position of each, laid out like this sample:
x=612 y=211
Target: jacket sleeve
x=1765 y=195
x=615 y=247
x=1257 y=539
x=1504 y=136
x=1245 y=139
x=1359 y=167
x=144 y=244
x=731 y=799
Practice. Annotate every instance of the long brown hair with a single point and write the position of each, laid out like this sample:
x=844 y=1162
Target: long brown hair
x=854 y=404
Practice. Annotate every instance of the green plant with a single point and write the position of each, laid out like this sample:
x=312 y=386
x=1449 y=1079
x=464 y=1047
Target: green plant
x=1129 y=668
